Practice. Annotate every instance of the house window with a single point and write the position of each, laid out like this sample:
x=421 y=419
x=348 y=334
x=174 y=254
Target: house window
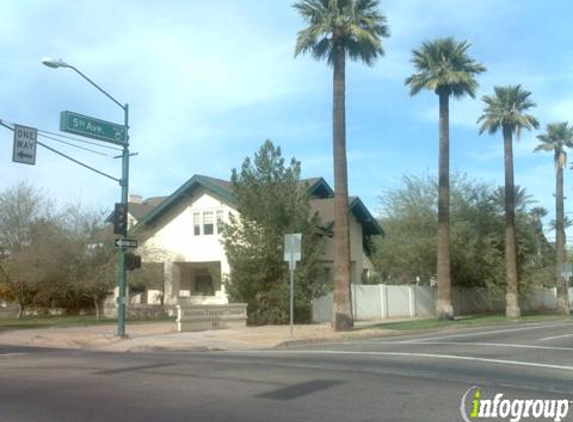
x=220 y=221
x=208 y=226
x=197 y=223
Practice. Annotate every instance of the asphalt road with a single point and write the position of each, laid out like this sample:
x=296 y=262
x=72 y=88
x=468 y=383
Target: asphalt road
x=409 y=378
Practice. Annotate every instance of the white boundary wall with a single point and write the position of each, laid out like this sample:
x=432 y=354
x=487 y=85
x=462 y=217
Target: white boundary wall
x=380 y=301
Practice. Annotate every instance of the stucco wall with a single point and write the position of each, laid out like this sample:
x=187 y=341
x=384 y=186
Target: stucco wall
x=173 y=241
x=176 y=237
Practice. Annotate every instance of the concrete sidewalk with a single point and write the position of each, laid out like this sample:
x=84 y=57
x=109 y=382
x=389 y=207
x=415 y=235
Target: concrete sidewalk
x=162 y=336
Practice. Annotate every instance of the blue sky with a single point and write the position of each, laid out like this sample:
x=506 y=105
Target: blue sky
x=208 y=82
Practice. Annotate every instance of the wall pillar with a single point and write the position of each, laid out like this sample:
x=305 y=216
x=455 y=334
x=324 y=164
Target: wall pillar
x=412 y=300
x=172 y=281
x=383 y=300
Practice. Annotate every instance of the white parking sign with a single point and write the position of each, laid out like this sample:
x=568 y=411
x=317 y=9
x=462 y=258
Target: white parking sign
x=24 y=145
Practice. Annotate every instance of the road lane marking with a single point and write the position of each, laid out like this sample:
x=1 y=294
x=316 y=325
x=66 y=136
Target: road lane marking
x=463 y=343
x=410 y=354
x=9 y=355
x=555 y=337
x=481 y=333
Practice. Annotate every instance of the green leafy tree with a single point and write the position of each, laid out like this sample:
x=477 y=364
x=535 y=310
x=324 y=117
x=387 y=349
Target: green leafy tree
x=47 y=262
x=22 y=213
x=337 y=29
x=271 y=202
x=506 y=111
x=444 y=67
x=409 y=216
x=557 y=138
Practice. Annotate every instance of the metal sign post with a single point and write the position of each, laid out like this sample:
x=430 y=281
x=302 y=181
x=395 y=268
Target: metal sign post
x=292 y=255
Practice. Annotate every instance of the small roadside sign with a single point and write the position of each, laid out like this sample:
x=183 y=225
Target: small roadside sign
x=24 y=145
x=126 y=243
x=292 y=248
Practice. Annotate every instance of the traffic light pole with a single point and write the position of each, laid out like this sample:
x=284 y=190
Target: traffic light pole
x=121 y=272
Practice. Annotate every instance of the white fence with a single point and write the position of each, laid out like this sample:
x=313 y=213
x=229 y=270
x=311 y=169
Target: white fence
x=381 y=301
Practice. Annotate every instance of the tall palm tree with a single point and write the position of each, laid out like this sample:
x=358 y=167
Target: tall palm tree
x=336 y=29
x=444 y=67
x=557 y=137
x=506 y=110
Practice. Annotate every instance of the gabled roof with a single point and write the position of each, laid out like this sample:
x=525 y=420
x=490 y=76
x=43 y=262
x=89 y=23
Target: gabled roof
x=370 y=225
x=318 y=188
x=219 y=187
x=140 y=210
x=320 y=192
x=325 y=209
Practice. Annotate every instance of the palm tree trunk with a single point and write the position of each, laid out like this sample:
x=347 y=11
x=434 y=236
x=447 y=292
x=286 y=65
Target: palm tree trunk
x=562 y=294
x=444 y=309
x=342 y=304
x=511 y=296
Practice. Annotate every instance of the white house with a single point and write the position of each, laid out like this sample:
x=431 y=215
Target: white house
x=182 y=232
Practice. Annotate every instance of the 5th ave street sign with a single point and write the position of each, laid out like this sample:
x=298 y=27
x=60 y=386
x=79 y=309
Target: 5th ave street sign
x=79 y=124
x=24 y=145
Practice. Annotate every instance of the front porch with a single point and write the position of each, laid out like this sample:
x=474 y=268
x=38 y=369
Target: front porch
x=194 y=283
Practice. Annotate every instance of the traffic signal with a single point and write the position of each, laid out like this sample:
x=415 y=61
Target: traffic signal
x=120 y=219
x=132 y=261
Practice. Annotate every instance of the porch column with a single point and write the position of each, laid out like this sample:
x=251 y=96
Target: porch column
x=172 y=281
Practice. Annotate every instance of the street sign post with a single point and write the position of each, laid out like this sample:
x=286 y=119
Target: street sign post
x=126 y=243
x=91 y=127
x=24 y=145
x=292 y=255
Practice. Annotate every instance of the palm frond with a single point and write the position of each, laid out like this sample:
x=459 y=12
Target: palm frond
x=444 y=65
x=355 y=25
x=557 y=137
x=506 y=109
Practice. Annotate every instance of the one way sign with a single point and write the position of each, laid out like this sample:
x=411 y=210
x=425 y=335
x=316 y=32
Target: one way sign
x=24 y=145
x=126 y=243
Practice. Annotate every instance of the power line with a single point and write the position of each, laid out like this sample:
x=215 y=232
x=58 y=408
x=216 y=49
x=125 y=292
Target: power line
x=59 y=135
x=75 y=146
x=2 y=123
x=80 y=140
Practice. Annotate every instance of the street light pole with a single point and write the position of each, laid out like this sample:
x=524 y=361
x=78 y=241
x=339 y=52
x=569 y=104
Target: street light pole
x=124 y=183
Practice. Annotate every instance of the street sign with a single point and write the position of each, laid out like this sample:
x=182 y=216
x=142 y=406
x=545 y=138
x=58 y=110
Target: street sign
x=24 y=145
x=292 y=248
x=126 y=243
x=79 y=124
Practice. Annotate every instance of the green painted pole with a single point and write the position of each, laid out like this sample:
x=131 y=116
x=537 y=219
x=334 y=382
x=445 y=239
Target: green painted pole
x=121 y=273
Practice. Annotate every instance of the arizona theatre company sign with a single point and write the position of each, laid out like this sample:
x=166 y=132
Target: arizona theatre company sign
x=208 y=317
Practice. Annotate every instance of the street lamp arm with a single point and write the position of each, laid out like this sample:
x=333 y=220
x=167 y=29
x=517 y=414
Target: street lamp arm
x=99 y=88
x=54 y=64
